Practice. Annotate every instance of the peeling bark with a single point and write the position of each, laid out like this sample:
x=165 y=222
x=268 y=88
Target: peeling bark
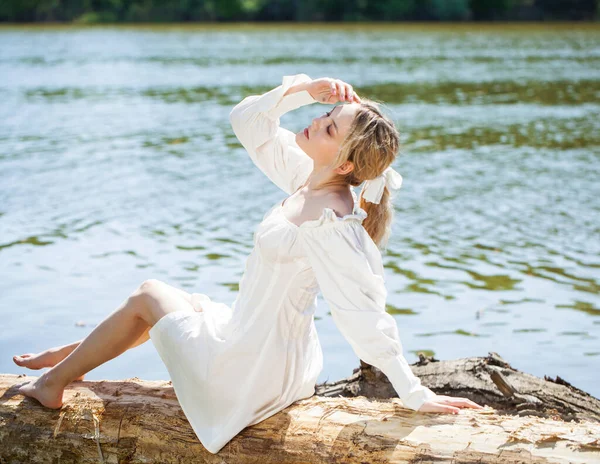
x=526 y=419
x=486 y=380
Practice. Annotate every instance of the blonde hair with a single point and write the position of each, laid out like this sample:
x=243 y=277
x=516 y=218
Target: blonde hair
x=372 y=144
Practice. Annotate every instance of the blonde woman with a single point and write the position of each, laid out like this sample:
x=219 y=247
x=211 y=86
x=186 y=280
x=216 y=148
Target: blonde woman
x=234 y=366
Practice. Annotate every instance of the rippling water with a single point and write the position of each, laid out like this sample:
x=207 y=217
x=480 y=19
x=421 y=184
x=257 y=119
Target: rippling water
x=118 y=164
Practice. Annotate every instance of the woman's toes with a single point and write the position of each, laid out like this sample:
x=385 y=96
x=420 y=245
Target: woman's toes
x=22 y=360
x=38 y=361
x=35 y=361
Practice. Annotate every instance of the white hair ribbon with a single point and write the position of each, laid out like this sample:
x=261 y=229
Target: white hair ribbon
x=373 y=188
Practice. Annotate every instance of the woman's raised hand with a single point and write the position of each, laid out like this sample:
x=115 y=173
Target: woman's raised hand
x=448 y=404
x=328 y=90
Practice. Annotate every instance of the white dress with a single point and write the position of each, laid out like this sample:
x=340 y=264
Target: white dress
x=232 y=367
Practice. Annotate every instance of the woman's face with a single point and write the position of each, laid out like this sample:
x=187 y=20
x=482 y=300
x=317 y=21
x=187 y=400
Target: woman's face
x=322 y=139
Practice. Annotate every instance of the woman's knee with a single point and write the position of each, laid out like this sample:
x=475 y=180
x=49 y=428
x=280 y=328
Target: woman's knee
x=144 y=296
x=155 y=298
x=150 y=286
x=149 y=289
x=154 y=287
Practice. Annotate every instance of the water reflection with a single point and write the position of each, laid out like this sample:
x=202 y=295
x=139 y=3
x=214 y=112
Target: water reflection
x=118 y=164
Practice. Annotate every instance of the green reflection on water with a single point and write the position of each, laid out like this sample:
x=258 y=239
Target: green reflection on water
x=461 y=332
x=394 y=310
x=27 y=241
x=542 y=133
x=233 y=286
x=215 y=256
x=529 y=330
x=550 y=93
x=583 y=306
x=522 y=300
x=495 y=92
x=491 y=282
x=423 y=352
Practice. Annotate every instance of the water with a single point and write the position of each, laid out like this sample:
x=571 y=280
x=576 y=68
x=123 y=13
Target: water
x=118 y=164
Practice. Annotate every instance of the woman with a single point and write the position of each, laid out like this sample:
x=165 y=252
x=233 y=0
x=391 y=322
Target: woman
x=232 y=367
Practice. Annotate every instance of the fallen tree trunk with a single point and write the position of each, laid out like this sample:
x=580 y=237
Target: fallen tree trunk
x=135 y=421
x=486 y=380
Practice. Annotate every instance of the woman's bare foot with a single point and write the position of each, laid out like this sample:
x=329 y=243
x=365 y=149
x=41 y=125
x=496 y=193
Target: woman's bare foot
x=48 y=358
x=45 y=391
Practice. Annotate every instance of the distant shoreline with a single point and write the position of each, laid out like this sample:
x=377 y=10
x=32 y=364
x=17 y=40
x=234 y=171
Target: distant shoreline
x=342 y=25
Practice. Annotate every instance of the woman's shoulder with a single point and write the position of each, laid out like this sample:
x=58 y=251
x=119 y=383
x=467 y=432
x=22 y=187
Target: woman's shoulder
x=341 y=203
x=333 y=212
x=343 y=240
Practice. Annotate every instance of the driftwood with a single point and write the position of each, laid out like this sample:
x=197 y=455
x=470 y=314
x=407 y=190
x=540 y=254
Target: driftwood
x=526 y=420
x=487 y=381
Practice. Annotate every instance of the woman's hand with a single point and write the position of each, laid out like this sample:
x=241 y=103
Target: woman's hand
x=448 y=404
x=328 y=90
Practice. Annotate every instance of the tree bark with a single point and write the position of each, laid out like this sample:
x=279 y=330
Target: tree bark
x=486 y=380
x=526 y=419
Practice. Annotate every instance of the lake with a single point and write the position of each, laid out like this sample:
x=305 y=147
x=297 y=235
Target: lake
x=118 y=164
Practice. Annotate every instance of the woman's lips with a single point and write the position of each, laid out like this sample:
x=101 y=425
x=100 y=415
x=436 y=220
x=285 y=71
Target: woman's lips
x=306 y=133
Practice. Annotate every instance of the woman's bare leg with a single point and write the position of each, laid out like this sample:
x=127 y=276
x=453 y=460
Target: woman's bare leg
x=113 y=336
x=52 y=356
x=48 y=358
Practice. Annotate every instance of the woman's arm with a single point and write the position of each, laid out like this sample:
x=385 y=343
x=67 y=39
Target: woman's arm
x=349 y=270
x=273 y=149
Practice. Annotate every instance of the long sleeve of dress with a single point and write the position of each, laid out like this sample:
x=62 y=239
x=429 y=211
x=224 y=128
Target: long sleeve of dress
x=255 y=122
x=348 y=267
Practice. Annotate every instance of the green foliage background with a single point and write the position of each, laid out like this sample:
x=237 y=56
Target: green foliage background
x=107 y=11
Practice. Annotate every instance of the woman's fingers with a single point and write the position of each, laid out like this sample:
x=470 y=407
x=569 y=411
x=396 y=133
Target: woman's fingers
x=448 y=409
x=346 y=91
x=449 y=404
x=341 y=90
x=462 y=402
x=332 y=96
x=349 y=93
x=338 y=91
x=434 y=406
x=471 y=404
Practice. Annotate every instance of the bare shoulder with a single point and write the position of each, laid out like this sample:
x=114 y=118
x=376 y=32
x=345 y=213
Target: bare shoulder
x=301 y=208
x=341 y=203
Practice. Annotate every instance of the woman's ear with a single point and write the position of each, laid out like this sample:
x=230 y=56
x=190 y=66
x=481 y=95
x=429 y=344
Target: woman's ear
x=345 y=168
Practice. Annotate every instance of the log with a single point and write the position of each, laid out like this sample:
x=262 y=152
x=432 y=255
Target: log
x=486 y=380
x=526 y=419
